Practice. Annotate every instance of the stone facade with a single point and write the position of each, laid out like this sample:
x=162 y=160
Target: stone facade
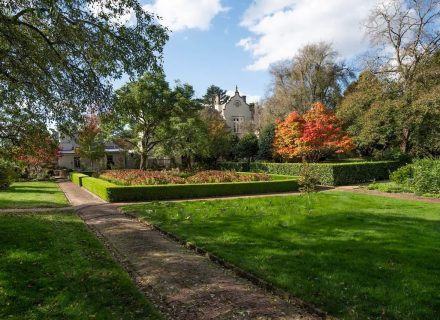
x=237 y=113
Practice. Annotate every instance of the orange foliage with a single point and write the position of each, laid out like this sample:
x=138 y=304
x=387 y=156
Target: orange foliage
x=313 y=136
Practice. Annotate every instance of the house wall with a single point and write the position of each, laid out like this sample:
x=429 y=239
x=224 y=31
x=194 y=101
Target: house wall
x=236 y=107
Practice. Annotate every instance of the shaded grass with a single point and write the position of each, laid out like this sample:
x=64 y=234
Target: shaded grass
x=52 y=267
x=33 y=195
x=355 y=256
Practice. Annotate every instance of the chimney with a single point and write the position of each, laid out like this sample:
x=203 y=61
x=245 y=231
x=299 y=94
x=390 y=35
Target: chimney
x=217 y=100
x=244 y=99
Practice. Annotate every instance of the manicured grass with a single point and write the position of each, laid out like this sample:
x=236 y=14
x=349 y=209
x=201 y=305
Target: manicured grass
x=393 y=187
x=355 y=256
x=33 y=195
x=52 y=267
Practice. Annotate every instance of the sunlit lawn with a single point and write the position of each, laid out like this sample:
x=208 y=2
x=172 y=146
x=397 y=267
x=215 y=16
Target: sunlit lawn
x=52 y=267
x=355 y=256
x=32 y=195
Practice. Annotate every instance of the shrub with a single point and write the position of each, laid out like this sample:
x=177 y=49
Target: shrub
x=403 y=175
x=113 y=193
x=7 y=174
x=426 y=176
x=214 y=176
x=333 y=174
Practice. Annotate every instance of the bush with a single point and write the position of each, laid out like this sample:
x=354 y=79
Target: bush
x=113 y=193
x=426 y=176
x=333 y=174
x=7 y=174
x=403 y=175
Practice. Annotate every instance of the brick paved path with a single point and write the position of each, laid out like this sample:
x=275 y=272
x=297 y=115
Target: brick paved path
x=182 y=284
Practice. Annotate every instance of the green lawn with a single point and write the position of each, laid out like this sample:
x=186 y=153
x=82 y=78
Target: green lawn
x=33 y=195
x=355 y=256
x=52 y=267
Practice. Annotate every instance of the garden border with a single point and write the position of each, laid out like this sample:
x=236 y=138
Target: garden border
x=113 y=193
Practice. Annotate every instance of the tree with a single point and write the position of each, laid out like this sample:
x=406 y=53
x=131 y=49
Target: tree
x=145 y=111
x=312 y=75
x=265 y=142
x=91 y=144
x=36 y=149
x=314 y=136
x=58 y=57
x=190 y=140
x=220 y=141
x=247 y=146
x=211 y=94
x=410 y=30
x=375 y=112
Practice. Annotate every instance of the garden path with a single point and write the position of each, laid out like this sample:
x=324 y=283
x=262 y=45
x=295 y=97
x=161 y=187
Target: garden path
x=401 y=195
x=181 y=283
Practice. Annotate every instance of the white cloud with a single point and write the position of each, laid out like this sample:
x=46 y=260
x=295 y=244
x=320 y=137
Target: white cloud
x=179 y=15
x=281 y=27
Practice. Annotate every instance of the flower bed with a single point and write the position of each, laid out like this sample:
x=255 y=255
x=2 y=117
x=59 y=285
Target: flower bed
x=141 y=177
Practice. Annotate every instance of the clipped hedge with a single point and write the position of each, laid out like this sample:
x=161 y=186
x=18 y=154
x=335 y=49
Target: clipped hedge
x=332 y=174
x=113 y=193
x=76 y=177
x=99 y=187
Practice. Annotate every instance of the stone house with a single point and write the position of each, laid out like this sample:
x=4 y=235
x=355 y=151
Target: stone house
x=238 y=114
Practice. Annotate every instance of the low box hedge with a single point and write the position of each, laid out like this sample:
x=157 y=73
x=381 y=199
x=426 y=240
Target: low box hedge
x=99 y=187
x=332 y=174
x=113 y=193
x=76 y=177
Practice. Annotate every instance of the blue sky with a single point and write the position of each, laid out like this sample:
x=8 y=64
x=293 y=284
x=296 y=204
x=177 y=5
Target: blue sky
x=233 y=42
x=204 y=57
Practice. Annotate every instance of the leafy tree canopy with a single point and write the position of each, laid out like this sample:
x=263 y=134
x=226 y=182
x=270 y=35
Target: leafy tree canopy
x=146 y=113
x=212 y=93
x=313 y=137
x=59 y=57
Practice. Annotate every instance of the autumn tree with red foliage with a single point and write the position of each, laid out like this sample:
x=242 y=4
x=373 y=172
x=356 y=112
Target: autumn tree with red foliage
x=36 y=149
x=312 y=137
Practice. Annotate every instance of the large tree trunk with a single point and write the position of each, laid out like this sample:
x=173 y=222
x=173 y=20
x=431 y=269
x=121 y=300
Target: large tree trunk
x=404 y=144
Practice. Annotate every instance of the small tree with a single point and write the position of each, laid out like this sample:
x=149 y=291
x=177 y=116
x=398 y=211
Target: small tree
x=36 y=149
x=313 y=137
x=247 y=146
x=145 y=112
x=265 y=142
x=91 y=144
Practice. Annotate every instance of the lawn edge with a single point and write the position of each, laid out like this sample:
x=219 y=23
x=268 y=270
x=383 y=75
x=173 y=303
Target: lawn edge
x=263 y=284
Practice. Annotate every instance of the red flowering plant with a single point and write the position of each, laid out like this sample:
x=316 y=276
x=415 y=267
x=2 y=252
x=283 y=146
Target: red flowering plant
x=141 y=177
x=314 y=136
x=213 y=176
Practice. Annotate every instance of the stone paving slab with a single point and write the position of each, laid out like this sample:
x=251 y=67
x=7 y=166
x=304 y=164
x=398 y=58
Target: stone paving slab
x=182 y=284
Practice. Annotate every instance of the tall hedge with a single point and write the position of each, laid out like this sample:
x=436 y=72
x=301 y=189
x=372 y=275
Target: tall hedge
x=332 y=174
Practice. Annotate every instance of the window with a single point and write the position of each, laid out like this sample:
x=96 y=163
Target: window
x=77 y=162
x=237 y=123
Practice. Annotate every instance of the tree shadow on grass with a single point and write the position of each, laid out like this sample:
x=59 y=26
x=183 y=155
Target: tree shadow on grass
x=353 y=264
x=52 y=267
